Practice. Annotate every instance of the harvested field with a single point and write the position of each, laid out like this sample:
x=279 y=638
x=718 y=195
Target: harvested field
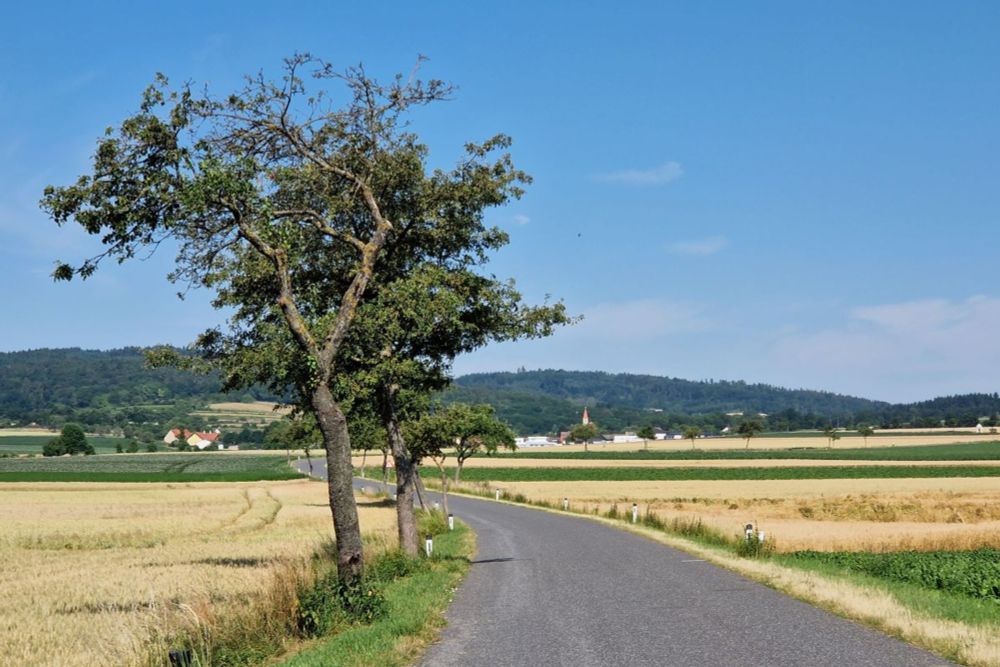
x=825 y=515
x=98 y=574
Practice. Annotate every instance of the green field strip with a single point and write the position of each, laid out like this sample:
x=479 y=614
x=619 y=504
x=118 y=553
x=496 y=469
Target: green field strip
x=712 y=474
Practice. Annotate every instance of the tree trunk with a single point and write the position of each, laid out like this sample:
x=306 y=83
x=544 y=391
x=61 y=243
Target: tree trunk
x=364 y=458
x=458 y=470
x=340 y=478
x=444 y=487
x=406 y=520
x=420 y=490
x=385 y=470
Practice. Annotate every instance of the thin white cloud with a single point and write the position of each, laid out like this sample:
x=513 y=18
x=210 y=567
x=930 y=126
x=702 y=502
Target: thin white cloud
x=699 y=247
x=902 y=351
x=661 y=175
x=642 y=319
x=521 y=219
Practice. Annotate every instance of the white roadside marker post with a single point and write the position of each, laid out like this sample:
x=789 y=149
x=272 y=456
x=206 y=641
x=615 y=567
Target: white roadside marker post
x=498 y=494
x=451 y=522
x=635 y=512
x=565 y=504
x=429 y=545
x=760 y=536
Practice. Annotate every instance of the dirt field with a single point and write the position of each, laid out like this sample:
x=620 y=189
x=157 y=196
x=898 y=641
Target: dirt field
x=21 y=432
x=867 y=514
x=99 y=574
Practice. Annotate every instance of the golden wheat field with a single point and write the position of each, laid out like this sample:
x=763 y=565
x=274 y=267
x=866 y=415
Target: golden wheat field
x=102 y=574
x=822 y=514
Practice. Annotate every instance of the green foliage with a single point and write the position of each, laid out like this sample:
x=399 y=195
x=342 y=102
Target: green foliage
x=71 y=441
x=583 y=432
x=415 y=604
x=646 y=433
x=972 y=573
x=53 y=447
x=750 y=428
x=330 y=603
x=751 y=546
x=132 y=447
x=430 y=522
x=392 y=565
x=100 y=389
x=546 y=401
x=118 y=448
x=467 y=429
x=152 y=448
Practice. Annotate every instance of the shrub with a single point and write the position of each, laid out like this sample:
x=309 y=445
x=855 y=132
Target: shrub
x=330 y=603
x=392 y=565
x=752 y=547
x=431 y=522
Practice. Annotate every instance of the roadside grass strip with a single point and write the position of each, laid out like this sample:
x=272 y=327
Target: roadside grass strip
x=415 y=603
x=215 y=467
x=709 y=474
x=971 y=451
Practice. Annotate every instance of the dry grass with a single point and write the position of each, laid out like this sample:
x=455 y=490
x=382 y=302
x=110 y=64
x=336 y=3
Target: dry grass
x=830 y=515
x=21 y=432
x=978 y=646
x=104 y=574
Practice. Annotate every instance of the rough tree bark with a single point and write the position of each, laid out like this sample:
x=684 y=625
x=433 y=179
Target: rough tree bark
x=340 y=484
x=405 y=473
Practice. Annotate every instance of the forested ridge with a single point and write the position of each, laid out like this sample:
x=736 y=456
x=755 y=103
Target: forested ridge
x=114 y=387
x=96 y=387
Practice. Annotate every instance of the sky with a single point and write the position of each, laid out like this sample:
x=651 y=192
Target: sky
x=798 y=193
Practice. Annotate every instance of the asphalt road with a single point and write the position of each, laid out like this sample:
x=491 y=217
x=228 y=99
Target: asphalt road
x=549 y=589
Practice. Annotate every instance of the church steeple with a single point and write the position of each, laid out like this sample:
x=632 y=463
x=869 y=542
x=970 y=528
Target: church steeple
x=586 y=416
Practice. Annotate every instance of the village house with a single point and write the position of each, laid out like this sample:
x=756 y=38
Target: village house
x=193 y=439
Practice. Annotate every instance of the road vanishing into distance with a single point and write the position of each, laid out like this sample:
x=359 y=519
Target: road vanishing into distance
x=551 y=589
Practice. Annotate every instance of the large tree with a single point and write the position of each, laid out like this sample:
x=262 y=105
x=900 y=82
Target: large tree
x=285 y=199
x=412 y=327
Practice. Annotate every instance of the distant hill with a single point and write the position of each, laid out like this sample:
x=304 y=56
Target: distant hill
x=536 y=401
x=668 y=394
x=113 y=388
x=50 y=386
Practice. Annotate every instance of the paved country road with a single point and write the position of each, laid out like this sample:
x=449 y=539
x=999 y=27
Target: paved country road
x=550 y=589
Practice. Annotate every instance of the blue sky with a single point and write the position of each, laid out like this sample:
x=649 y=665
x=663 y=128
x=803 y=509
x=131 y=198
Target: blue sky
x=796 y=193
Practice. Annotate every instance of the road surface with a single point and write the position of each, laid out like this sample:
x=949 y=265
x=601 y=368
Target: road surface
x=551 y=589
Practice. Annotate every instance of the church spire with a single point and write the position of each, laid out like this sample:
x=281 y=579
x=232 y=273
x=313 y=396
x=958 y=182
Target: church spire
x=586 y=416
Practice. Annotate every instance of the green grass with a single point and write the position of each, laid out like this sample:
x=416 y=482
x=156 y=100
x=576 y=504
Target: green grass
x=415 y=605
x=215 y=467
x=974 y=574
x=926 y=601
x=32 y=444
x=706 y=474
x=970 y=451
